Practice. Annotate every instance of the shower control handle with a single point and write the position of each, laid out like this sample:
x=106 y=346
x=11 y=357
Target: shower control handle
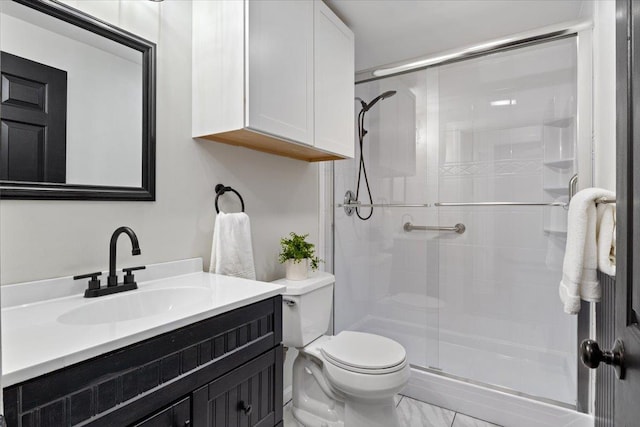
x=592 y=356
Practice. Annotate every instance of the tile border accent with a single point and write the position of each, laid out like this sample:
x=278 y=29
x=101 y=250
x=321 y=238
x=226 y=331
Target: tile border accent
x=496 y=167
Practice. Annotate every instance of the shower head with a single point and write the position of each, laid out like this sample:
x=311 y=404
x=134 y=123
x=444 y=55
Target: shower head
x=385 y=95
x=364 y=104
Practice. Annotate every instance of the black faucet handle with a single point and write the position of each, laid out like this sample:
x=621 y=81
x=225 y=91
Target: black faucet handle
x=94 y=276
x=128 y=277
x=94 y=282
x=130 y=269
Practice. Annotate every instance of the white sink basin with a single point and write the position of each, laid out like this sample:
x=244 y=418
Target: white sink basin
x=136 y=304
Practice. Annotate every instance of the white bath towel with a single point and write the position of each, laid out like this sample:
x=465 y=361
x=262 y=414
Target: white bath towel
x=231 y=250
x=579 y=269
x=606 y=229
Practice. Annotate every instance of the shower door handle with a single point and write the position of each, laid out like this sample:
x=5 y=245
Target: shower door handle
x=591 y=356
x=573 y=187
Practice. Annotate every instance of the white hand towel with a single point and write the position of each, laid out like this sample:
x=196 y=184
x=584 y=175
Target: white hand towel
x=231 y=250
x=607 y=238
x=579 y=270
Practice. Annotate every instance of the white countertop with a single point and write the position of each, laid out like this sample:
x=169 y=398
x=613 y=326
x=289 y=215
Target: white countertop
x=35 y=341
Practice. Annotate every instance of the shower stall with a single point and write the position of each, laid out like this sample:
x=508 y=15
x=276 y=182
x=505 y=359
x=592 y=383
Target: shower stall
x=469 y=165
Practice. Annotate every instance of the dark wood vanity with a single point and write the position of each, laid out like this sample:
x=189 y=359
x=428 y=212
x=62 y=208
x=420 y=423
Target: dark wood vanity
x=222 y=371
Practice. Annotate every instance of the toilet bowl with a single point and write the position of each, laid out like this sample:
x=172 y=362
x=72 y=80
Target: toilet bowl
x=349 y=379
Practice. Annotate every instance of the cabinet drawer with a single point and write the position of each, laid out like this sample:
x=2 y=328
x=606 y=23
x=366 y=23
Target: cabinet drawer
x=176 y=415
x=248 y=396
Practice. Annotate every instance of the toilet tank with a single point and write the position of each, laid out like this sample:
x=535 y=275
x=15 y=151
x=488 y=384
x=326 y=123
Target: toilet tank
x=306 y=308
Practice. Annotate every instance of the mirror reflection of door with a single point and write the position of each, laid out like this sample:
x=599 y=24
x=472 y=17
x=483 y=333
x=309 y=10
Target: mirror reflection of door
x=33 y=118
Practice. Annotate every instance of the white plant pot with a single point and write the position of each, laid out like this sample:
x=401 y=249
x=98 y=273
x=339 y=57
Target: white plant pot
x=297 y=270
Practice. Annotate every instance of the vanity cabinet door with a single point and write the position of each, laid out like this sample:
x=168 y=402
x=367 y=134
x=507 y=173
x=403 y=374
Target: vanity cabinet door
x=249 y=396
x=176 y=415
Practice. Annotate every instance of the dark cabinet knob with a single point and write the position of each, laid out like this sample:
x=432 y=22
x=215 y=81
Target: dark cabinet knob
x=592 y=356
x=245 y=407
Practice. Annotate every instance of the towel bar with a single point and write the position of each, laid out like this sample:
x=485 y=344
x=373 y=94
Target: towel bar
x=605 y=201
x=221 y=189
x=573 y=189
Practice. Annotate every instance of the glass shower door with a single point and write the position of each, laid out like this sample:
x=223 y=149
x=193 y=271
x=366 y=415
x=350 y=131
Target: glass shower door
x=507 y=134
x=483 y=305
x=386 y=277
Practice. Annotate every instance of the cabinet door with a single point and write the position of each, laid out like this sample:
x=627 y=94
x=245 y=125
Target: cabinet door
x=280 y=69
x=248 y=396
x=334 y=83
x=176 y=415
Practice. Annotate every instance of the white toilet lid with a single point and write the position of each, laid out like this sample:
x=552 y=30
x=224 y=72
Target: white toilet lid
x=362 y=351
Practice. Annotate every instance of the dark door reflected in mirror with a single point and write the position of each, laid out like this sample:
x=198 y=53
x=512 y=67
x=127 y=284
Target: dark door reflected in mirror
x=78 y=106
x=33 y=140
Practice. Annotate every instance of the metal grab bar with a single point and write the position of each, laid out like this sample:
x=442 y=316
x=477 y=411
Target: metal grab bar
x=458 y=228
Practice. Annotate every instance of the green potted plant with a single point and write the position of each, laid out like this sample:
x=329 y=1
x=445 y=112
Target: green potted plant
x=298 y=255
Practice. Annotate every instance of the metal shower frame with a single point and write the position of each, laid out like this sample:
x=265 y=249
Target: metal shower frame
x=582 y=30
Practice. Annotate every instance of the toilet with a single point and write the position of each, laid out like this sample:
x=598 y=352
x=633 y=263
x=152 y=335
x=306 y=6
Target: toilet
x=346 y=380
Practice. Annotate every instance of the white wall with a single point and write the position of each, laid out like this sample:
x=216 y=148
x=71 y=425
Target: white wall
x=604 y=92
x=42 y=239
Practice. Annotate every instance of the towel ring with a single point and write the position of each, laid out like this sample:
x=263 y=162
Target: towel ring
x=221 y=189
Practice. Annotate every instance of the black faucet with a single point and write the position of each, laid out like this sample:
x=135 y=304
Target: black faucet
x=112 y=280
x=129 y=283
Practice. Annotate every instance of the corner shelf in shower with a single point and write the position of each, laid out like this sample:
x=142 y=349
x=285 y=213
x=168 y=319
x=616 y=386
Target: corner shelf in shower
x=558 y=166
x=560 y=163
x=553 y=231
x=560 y=123
x=556 y=190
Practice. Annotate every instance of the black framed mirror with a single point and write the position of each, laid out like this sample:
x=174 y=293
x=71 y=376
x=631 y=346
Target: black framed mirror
x=78 y=106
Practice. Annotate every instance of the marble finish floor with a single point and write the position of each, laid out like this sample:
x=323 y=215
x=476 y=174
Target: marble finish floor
x=414 y=413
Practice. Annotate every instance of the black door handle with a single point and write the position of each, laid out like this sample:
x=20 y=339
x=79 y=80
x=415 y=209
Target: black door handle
x=592 y=356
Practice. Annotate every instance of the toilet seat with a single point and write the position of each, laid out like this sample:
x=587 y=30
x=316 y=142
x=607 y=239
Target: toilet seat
x=364 y=353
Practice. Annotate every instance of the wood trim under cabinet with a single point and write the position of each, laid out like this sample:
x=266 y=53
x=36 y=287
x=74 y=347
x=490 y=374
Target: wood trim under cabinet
x=258 y=141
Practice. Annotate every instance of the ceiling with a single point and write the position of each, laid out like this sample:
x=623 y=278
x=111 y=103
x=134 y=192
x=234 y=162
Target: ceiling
x=388 y=31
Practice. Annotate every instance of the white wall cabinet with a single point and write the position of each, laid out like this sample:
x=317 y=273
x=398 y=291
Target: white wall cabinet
x=334 y=88
x=280 y=64
x=274 y=76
